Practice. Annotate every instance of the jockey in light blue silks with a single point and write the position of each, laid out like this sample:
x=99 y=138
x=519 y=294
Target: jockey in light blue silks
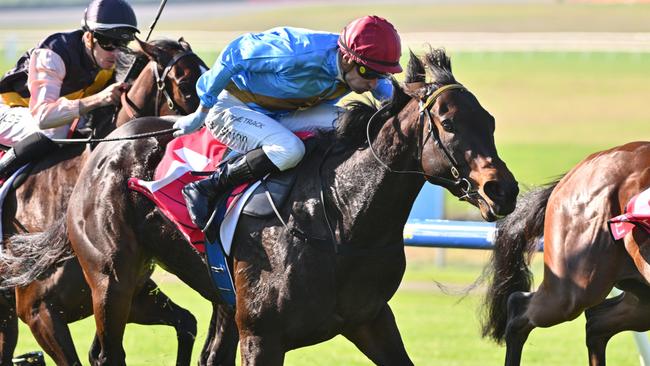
x=66 y=76
x=263 y=86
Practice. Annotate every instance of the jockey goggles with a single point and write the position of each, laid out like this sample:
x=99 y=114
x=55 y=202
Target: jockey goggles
x=370 y=74
x=110 y=44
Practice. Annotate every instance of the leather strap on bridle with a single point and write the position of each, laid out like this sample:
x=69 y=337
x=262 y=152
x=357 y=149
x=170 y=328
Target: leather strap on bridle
x=160 y=82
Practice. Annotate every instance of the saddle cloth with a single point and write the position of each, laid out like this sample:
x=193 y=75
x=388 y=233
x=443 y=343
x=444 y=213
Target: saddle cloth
x=199 y=151
x=637 y=214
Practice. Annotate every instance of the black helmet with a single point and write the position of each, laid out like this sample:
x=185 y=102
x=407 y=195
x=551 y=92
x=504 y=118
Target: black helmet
x=111 y=18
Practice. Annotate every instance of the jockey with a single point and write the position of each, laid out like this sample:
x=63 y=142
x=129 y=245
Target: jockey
x=266 y=85
x=66 y=76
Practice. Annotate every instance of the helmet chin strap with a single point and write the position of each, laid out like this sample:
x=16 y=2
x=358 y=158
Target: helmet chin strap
x=92 y=50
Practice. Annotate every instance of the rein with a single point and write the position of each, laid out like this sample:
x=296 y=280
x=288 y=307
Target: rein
x=109 y=139
x=466 y=186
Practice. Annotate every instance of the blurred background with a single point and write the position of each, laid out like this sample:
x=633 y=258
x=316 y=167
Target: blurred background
x=563 y=79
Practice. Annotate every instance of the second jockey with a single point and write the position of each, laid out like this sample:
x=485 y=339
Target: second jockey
x=263 y=86
x=66 y=76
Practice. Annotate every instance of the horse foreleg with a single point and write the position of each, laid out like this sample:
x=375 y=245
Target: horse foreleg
x=220 y=346
x=49 y=327
x=380 y=339
x=8 y=326
x=151 y=306
x=614 y=315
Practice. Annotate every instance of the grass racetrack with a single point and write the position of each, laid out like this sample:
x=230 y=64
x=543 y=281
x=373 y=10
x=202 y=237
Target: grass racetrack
x=437 y=328
x=552 y=110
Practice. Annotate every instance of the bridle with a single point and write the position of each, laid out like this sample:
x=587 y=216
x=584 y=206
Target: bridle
x=425 y=118
x=133 y=111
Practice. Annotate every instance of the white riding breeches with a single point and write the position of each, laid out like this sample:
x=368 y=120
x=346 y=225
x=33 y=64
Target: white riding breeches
x=242 y=129
x=16 y=123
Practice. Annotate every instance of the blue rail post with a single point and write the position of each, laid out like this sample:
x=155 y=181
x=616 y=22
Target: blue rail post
x=430 y=204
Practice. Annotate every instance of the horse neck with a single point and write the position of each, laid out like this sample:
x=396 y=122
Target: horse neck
x=142 y=93
x=367 y=194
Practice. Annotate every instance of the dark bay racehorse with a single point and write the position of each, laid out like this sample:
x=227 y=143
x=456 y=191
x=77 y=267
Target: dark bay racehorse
x=581 y=260
x=337 y=278
x=61 y=295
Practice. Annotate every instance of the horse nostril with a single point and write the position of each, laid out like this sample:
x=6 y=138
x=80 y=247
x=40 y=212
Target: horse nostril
x=493 y=190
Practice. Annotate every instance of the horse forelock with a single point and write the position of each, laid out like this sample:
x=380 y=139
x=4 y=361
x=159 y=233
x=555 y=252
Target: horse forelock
x=436 y=62
x=439 y=66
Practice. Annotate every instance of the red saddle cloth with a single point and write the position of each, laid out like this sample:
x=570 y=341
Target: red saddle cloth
x=637 y=214
x=197 y=151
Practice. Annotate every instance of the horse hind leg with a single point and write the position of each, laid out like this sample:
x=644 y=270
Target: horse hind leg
x=151 y=306
x=50 y=329
x=612 y=316
x=380 y=339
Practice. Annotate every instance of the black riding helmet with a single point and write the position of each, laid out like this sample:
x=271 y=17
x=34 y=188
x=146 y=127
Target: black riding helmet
x=113 y=19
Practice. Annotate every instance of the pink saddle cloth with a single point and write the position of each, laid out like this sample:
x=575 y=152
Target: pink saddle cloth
x=637 y=214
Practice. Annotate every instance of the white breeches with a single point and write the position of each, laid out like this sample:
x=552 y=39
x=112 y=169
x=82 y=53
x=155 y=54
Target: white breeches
x=242 y=129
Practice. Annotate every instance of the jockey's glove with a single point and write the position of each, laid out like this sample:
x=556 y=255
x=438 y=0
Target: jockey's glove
x=191 y=122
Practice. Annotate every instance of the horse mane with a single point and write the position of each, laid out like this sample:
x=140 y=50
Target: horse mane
x=352 y=125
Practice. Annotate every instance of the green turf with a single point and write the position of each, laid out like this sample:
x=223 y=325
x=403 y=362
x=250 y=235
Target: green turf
x=437 y=329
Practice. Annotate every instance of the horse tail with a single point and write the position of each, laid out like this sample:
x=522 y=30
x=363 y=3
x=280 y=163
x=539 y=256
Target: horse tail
x=28 y=256
x=515 y=242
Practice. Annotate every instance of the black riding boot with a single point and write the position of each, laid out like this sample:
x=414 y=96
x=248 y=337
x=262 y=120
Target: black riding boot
x=201 y=196
x=32 y=147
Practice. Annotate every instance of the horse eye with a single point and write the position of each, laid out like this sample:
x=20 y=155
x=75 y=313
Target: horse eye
x=447 y=125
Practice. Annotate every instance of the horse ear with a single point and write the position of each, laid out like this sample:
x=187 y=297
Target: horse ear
x=184 y=44
x=148 y=49
x=415 y=71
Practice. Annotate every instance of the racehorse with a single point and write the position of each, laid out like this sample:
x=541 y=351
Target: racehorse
x=327 y=269
x=582 y=262
x=165 y=86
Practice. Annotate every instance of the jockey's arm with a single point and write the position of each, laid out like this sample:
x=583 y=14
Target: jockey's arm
x=246 y=53
x=48 y=108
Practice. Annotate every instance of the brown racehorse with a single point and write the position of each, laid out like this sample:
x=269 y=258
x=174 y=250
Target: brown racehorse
x=298 y=289
x=581 y=260
x=61 y=295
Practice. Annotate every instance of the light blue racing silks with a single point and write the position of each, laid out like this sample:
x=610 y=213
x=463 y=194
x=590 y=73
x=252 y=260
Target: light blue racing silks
x=280 y=70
